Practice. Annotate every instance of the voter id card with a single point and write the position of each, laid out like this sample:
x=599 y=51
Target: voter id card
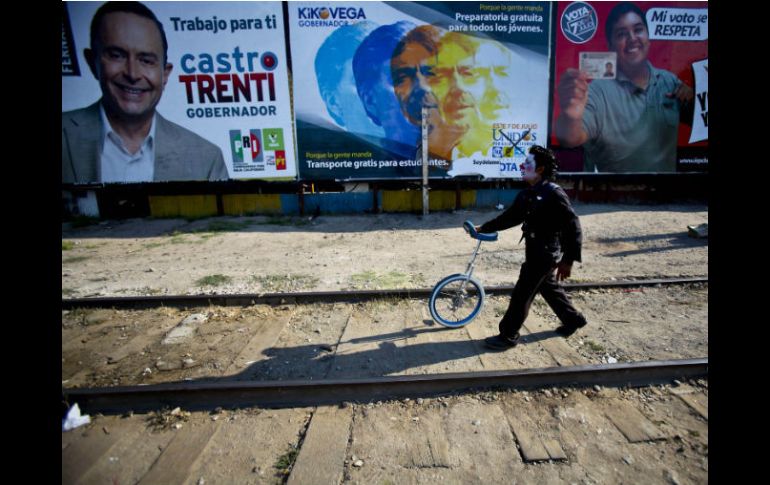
x=599 y=65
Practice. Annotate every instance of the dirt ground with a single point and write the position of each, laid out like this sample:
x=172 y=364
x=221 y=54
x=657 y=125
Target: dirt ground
x=369 y=339
x=269 y=254
x=260 y=254
x=104 y=347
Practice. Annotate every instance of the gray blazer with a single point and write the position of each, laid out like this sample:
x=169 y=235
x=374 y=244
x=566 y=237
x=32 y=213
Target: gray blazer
x=180 y=154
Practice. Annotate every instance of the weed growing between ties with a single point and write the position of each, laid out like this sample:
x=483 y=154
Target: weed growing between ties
x=595 y=347
x=286 y=462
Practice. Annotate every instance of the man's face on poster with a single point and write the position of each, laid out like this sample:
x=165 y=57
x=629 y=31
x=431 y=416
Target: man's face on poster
x=387 y=105
x=493 y=63
x=455 y=83
x=411 y=71
x=469 y=81
x=128 y=62
x=630 y=40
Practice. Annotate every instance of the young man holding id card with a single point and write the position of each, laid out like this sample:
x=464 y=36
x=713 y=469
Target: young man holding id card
x=627 y=123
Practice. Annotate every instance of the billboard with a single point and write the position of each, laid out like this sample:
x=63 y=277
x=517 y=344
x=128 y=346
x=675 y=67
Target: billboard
x=175 y=91
x=363 y=71
x=631 y=85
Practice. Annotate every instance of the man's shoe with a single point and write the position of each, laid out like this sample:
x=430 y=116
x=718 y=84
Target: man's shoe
x=499 y=342
x=566 y=331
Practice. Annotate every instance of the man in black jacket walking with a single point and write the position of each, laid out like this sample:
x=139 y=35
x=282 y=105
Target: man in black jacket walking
x=553 y=239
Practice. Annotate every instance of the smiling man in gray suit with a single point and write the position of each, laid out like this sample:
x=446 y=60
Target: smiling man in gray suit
x=121 y=138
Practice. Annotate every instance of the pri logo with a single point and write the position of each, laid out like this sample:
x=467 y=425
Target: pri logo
x=579 y=22
x=252 y=144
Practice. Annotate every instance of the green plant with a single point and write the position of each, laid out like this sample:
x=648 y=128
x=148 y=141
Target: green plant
x=178 y=237
x=67 y=245
x=213 y=280
x=74 y=259
x=594 y=346
x=286 y=461
x=211 y=230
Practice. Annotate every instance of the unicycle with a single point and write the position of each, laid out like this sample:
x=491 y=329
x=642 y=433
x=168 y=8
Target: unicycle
x=457 y=299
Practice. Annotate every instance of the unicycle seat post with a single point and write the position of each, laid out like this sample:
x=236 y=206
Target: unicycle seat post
x=469 y=269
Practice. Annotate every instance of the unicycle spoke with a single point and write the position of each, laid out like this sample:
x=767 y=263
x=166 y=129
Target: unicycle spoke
x=457 y=301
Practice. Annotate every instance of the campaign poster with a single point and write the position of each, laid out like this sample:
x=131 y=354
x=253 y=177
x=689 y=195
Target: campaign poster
x=363 y=71
x=631 y=86
x=175 y=91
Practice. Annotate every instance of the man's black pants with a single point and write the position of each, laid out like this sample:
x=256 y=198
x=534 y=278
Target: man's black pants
x=537 y=276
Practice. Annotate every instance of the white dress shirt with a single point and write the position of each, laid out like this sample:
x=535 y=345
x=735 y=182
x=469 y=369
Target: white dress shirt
x=118 y=164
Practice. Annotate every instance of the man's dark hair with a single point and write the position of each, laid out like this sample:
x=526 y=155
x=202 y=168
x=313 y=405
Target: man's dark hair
x=618 y=11
x=135 y=8
x=545 y=158
x=425 y=35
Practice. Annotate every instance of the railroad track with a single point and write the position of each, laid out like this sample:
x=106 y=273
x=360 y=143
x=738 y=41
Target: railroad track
x=224 y=393
x=330 y=296
x=654 y=431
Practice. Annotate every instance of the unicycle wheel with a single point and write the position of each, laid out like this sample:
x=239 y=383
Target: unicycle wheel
x=456 y=300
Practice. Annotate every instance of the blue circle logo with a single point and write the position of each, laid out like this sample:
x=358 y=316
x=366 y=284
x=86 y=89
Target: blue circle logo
x=579 y=22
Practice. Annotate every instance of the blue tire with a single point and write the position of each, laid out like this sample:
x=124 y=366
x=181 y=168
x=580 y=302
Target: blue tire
x=456 y=300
